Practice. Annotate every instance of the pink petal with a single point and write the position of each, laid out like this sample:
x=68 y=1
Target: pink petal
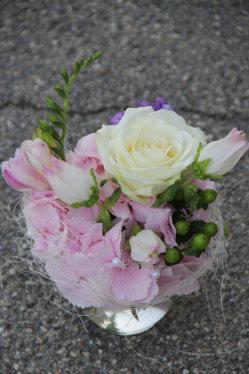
x=132 y=283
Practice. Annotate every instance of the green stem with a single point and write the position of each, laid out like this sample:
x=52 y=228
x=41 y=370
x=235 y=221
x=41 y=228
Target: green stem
x=188 y=180
x=73 y=77
x=100 y=205
x=64 y=131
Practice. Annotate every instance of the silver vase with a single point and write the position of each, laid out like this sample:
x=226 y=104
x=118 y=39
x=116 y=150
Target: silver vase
x=128 y=321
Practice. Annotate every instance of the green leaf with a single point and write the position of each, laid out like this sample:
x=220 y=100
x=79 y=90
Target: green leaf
x=167 y=195
x=44 y=126
x=198 y=152
x=59 y=153
x=136 y=229
x=111 y=201
x=94 y=196
x=178 y=204
x=178 y=215
x=198 y=254
x=192 y=198
x=226 y=175
x=60 y=91
x=218 y=176
x=65 y=76
x=97 y=55
x=197 y=226
x=201 y=204
x=182 y=238
x=203 y=164
x=85 y=203
x=55 y=107
x=138 y=264
x=191 y=249
x=94 y=178
x=76 y=68
x=104 y=181
x=105 y=218
x=49 y=140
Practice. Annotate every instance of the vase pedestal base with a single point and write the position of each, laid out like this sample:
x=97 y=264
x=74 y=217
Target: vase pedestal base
x=124 y=322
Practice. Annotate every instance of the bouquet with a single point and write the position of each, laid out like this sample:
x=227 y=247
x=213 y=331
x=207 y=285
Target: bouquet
x=131 y=217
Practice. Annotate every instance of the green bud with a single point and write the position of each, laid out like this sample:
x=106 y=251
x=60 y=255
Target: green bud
x=225 y=229
x=43 y=125
x=210 y=229
x=209 y=196
x=182 y=227
x=201 y=241
x=47 y=138
x=64 y=76
x=172 y=255
x=37 y=133
x=76 y=68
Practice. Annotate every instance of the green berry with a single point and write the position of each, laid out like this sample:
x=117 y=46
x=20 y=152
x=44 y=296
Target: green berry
x=182 y=227
x=179 y=195
x=225 y=229
x=201 y=241
x=209 y=196
x=172 y=255
x=210 y=229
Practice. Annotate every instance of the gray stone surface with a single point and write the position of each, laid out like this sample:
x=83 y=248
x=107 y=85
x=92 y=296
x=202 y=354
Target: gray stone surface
x=192 y=53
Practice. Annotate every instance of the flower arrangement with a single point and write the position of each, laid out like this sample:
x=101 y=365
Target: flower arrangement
x=131 y=216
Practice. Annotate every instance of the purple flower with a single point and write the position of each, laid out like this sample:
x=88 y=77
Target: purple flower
x=115 y=119
x=159 y=104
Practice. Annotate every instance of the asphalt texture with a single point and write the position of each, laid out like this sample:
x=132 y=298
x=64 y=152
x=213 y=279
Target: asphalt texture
x=195 y=55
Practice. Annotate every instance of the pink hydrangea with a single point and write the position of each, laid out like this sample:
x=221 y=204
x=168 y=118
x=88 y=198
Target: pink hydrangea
x=56 y=227
x=159 y=220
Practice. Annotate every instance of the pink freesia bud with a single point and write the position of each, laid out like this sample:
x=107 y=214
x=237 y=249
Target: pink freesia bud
x=22 y=177
x=35 y=154
x=225 y=153
x=70 y=183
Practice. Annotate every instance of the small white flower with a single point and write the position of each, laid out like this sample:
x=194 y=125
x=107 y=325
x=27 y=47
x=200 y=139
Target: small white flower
x=146 y=246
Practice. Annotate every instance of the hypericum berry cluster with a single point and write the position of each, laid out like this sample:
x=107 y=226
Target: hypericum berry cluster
x=194 y=237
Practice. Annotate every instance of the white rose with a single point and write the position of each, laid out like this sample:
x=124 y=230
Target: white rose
x=147 y=151
x=146 y=246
